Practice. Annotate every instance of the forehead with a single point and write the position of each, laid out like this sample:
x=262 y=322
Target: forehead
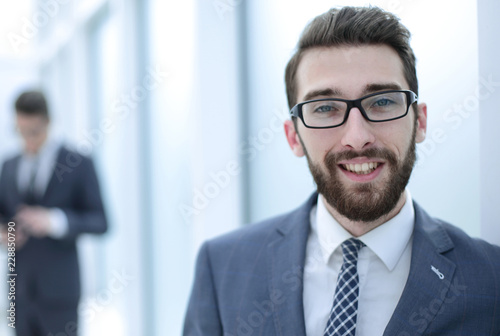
x=348 y=70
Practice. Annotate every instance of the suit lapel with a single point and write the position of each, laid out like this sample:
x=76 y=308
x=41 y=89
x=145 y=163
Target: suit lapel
x=431 y=276
x=286 y=257
x=13 y=173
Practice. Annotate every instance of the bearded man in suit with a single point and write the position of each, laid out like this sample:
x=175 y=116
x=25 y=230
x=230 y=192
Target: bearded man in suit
x=360 y=257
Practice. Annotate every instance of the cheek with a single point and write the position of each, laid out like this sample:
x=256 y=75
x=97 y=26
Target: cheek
x=319 y=143
x=398 y=137
x=402 y=144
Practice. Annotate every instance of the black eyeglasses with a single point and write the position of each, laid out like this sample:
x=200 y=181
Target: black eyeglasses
x=375 y=107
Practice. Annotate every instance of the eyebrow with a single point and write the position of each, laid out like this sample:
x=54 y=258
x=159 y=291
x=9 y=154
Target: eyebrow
x=334 y=92
x=370 y=88
x=322 y=93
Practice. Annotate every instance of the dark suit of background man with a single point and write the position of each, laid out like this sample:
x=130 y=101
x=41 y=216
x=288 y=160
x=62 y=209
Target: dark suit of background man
x=52 y=194
x=360 y=257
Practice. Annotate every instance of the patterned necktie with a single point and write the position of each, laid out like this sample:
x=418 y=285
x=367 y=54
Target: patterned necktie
x=342 y=321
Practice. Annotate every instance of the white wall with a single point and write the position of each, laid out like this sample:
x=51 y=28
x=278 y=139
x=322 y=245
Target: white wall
x=17 y=75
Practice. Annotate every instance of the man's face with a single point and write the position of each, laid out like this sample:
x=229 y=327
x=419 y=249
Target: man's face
x=361 y=168
x=33 y=130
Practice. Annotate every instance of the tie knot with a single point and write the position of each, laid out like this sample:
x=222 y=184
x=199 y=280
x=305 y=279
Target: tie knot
x=350 y=249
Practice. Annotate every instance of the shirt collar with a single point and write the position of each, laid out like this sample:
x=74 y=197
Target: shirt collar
x=49 y=147
x=387 y=241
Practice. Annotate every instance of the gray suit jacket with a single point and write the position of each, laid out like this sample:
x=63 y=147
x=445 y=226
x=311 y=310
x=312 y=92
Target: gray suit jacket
x=249 y=282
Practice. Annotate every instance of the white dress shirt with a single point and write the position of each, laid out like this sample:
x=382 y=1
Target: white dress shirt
x=383 y=268
x=43 y=162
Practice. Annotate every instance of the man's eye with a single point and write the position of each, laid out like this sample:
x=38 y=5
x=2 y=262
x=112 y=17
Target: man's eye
x=324 y=108
x=330 y=107
x=382 y=102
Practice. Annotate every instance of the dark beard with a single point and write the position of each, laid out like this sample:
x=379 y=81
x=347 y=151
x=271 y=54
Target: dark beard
x=366 y=202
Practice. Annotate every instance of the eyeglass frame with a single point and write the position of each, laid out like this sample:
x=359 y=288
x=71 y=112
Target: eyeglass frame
x=296 y=111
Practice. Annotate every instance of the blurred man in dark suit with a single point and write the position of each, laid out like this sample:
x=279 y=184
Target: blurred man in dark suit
x=52 y=195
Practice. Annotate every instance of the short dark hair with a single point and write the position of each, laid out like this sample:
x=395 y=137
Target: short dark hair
x=353 y=26
x=32 y=103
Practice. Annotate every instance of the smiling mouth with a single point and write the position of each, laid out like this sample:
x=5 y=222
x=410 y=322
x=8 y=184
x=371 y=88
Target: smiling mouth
x=361 y=168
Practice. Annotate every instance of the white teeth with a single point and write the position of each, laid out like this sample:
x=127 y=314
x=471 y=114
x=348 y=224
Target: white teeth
x=363 y=169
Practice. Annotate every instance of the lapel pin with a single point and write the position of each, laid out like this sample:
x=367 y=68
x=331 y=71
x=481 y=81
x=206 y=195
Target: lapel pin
x=439 y=274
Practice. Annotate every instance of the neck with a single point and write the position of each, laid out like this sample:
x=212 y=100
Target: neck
x=360 y=228
x=35 y=151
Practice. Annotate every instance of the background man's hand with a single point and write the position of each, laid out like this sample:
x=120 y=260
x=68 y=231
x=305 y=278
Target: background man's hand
x=35 y=220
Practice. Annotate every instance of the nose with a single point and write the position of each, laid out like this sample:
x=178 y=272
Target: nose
x=357 y=133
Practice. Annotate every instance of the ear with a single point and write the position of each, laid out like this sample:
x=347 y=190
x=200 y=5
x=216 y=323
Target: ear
x=421 y=122
x=293 y=138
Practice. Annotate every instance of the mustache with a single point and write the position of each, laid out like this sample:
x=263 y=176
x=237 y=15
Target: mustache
x=332 y=159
